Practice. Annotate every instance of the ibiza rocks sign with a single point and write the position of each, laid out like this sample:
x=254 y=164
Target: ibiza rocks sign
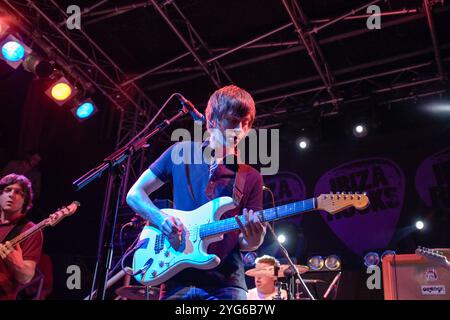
x=384 y=182
x=433 y=181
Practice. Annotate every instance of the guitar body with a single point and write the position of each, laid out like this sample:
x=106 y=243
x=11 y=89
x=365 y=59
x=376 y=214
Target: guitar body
x=159 y=258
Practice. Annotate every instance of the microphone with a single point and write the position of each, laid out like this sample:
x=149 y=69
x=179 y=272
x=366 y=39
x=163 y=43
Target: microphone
x=195 y=114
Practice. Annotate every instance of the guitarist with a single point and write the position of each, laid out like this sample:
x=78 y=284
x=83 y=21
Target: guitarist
x=18 y=264
x=230 y=110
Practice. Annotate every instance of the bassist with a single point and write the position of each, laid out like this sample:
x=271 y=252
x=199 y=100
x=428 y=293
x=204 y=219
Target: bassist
x=17 y=264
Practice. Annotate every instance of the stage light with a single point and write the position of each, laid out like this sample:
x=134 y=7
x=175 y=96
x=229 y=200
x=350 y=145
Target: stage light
x=420 y=225
x=37 y=65
x=316 y=263
x=61 y=91
x=439 y=108
x=281 y=238
x=84 y=110
x=303 y=143
x=249 y=259
x=371 y=259
x=387 y=253
x=333 y=263
x=13 y=51
x=360 y=130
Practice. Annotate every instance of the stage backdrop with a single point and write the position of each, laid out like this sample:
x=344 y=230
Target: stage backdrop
x=406 y=176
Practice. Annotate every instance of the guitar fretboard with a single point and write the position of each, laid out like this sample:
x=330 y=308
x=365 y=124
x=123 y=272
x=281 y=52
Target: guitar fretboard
x=21 y=237
x=267 y=215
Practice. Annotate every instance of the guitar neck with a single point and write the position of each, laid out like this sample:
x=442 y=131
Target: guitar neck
x=267 y=215
x=28 y=233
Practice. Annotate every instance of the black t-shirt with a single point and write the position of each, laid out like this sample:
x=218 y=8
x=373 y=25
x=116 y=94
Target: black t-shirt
x=192 y=187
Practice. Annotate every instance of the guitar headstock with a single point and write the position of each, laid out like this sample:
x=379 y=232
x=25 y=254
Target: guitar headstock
x=57 y=216
x=335 y=202
x=431 y=254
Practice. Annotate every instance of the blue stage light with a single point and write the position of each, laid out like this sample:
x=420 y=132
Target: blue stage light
x=85 y=110
x=13 y=51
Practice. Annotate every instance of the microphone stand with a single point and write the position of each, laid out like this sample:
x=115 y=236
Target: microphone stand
x=291 y=264
x=113 y=166
x=283 y=249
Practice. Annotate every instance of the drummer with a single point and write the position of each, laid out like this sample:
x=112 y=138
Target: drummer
x=265 y=285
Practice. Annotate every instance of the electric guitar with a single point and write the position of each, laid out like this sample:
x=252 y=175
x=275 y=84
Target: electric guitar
x=433 y=255
x=52 y=220
x=158 y=258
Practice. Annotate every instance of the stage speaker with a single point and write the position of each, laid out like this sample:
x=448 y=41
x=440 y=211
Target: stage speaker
x=414 y=277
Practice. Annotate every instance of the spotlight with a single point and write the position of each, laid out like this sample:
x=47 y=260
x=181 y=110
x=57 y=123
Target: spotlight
x=13 y=51
x=249 y=259
x=37 y=65
x=84 y=110
x=371 y=259
x=420 y=225
x=360 y=130
x=303 y=143
x=439 y=108
x=387 y=253
x=333 y=263
x=281 y=238
x=316 y=263
x=61 y=91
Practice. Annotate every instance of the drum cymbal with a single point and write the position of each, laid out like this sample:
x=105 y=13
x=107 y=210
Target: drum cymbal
x=269 y=271
x=138 y=293
x=314 y=281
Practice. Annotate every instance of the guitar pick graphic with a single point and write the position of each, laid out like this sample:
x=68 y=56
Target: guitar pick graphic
x=287 y=187
x=433 y=180
x=384 y=183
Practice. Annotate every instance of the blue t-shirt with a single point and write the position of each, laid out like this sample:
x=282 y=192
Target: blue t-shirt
x=193 y=187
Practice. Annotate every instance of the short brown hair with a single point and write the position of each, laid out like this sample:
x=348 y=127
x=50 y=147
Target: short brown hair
x=230 y=101
x=26 y=187
x=268 y=259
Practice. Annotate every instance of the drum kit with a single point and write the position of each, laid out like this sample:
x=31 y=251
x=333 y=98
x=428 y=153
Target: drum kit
x=283 y=272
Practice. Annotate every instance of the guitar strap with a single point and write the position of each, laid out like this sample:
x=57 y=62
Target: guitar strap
x=238 y=186
x=15 y=230
x=239 y=183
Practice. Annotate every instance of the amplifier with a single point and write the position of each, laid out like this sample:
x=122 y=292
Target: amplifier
x=414 y=277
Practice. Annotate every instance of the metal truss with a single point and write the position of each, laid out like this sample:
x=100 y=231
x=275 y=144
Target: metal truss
x=86 y=64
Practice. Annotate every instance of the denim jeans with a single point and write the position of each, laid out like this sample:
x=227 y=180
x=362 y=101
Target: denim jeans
x=195 y=293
